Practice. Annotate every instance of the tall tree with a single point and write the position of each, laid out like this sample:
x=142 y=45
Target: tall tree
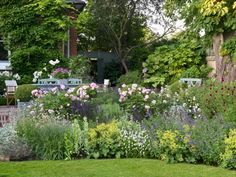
x=117 y=25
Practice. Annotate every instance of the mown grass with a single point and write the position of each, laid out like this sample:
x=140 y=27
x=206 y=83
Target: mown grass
x=109 y=168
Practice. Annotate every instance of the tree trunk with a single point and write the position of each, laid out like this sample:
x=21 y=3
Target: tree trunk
x=225 y=67
x=124 y=65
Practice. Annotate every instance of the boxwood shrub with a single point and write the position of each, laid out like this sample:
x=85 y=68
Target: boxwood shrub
x=23 y=92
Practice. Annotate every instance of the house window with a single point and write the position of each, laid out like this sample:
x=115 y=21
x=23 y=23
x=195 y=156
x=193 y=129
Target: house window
x=3 y=52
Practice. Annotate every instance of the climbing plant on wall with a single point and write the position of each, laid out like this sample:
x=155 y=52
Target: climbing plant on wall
x=32 y=31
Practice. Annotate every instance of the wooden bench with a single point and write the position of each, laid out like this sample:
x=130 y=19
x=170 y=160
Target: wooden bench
x=191 y=81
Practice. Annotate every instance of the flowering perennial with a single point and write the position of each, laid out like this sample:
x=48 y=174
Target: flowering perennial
x=86 y=92
x=61 y=73
x=134 y=97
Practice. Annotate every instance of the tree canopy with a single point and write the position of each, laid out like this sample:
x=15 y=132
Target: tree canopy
x=117 y=25
x=213 y=16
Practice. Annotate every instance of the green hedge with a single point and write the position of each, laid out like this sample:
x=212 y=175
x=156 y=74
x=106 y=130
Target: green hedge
x=23 y=92
x=3 y=101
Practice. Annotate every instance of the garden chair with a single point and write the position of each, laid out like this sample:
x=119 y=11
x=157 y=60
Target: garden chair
x=11 y=86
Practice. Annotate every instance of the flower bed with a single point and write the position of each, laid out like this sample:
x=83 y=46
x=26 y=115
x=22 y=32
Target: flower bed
x=171 y=127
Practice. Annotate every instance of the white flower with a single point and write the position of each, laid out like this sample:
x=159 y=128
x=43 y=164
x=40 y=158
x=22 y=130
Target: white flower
x=123 y=86
x=50 y=111
x=40 y=73
x=54 y=62
x=147 y=107
x=62 y=86
x=164 y=101
x=143 y=64
x=34 y=80
x=70 y=90
x=16 y=76
x=134 y=86
x=32 y=113
x=153 y=101
x=54 y=89
x=146 y=97
x=194 y=98
x=124 y=93
x=145 y=70
x=45 y=69
x=6 y=73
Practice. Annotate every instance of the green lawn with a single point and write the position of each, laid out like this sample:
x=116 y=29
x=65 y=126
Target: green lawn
x=109 y=168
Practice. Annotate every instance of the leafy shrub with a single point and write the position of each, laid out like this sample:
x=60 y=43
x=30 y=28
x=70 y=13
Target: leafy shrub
x=112 y=71
x=177 y=87
x=80 y=67
x=135 y=141
x=208 y=139
x=3 y=100
x=61 y=73
x=11 y=145
x=106 y=97
x=87 y=92
x=45 y=137
x=196 y=72
x=2 y=84
x=229 y=155
x=108 y=112
x=101 y=106
x=23 y=92
x=168 y=62
x=33 y=58
x=138 y=101
x=76 y=141
x=55 y=101
x=130 y=78
x=104 y=141
x=228 y=48
x=215 y=99
x=229 y=114
x=175 y=146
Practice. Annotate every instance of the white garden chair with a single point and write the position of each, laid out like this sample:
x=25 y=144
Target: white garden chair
x=11 y=86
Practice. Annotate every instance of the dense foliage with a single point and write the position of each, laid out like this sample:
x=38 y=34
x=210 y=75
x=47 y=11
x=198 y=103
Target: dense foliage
x=213 y=16
x=169 y=62
x=32 y=31
x=118 y=26
x=173 y=126
x=23 y=92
